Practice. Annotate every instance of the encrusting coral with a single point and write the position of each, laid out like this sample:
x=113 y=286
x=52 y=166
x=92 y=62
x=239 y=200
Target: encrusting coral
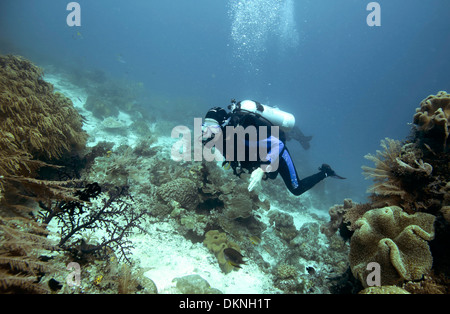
x=398 y=242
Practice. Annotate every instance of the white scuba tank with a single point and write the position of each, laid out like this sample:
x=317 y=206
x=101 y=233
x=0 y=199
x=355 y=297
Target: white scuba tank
x=275 y=116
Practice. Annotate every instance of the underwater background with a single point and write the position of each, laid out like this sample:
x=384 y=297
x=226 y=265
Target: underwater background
x=348 y=85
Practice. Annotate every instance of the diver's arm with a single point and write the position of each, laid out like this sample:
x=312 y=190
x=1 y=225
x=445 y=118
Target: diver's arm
x=270 y=162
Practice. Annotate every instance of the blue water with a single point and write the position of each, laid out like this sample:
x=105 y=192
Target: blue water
x=348 y=84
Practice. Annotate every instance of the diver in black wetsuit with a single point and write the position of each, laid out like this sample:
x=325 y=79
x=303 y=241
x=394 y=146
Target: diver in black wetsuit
x=219 y=128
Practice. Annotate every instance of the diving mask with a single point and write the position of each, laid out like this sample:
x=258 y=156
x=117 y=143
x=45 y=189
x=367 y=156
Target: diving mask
x=209 y=129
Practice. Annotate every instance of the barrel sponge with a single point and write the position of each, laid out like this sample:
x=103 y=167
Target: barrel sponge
x=181 y=190
x=396 y=241
x=433 y=116
x=217 y=242
x=34 y=119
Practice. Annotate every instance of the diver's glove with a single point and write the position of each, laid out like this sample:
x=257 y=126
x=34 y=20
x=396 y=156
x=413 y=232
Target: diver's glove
x=329 y=172
x=255 y=179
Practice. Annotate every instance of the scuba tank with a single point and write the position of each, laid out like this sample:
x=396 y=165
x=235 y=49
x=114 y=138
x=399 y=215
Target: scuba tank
x=275 y=116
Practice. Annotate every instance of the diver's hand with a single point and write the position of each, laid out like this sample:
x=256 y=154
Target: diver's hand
x=255 y=179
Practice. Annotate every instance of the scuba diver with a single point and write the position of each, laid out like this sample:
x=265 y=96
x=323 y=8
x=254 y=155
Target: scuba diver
x=219 y=129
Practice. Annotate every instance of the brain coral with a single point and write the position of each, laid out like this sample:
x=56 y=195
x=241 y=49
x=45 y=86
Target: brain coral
x=182 y=190
x=395 y=240
x=433 y=117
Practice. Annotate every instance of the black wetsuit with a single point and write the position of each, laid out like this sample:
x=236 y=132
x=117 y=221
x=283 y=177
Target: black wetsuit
x=275 y=148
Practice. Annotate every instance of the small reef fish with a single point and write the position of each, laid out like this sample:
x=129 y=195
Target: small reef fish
x=120 y=58
x=268 y=250
x=255 y=240
x=77 y=36
x=233 y=257
x=98 y=280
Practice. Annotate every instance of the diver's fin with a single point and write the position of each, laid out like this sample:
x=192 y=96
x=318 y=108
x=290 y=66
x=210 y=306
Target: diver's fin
x=330 y=172
x=338 y=177
x=304 y=141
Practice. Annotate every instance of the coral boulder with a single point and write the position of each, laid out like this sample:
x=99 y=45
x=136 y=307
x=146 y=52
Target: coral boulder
x=181 y=190
x=433 y=118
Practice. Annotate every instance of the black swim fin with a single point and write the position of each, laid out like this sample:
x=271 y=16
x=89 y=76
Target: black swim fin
x=338 y=177
x=330 y=172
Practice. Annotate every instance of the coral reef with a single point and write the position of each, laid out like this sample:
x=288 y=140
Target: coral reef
x=23 y=243
x=100 y=108
x=286 y=271
x=37 y=127
x=107 y=96
x=113 y=213
x=343 y=218
x=131 y=283
x=283 y=224
x=395 y=240
x=433 y=120
x=237 y=205
x=404 y=227
x=217 y=242
x=431 y=284
x=414 y=175
x=181 y=190
x=34 y=119
x=400 y=175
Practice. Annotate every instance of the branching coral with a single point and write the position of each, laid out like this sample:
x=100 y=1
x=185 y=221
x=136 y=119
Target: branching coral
x=112 y=213
x=22 y=242
x=395 y=240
